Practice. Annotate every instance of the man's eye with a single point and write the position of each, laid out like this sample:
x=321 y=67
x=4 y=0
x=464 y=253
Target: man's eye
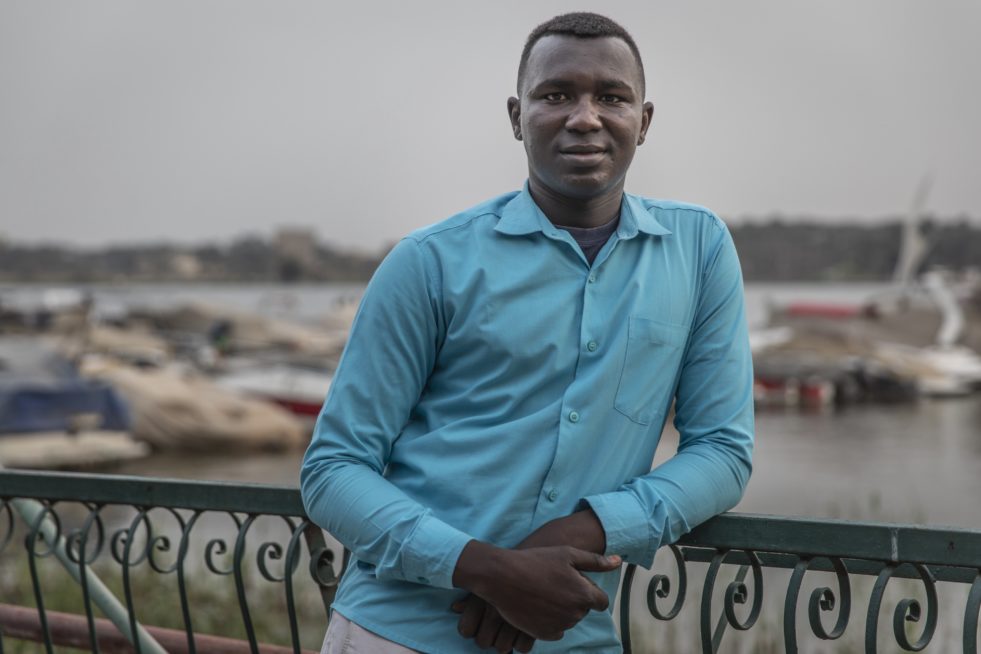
x=554 y=97
x=609 y=97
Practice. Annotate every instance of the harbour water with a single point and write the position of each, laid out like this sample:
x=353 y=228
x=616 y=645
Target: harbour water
x=908 y=463
x=306 y=302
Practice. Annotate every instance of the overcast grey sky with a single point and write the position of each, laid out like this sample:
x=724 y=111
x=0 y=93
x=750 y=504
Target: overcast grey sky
x=127 y=121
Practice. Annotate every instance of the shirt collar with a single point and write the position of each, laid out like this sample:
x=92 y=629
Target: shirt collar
x=522 y=216
x=634 y=217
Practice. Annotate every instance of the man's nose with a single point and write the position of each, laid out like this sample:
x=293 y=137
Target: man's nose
x=584 y=116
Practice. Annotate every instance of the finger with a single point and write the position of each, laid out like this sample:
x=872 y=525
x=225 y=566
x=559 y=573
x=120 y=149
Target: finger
x=506 y=637
x=599 y=600
x=458 y=606
x=473 y=613
x=490 y=626
x=591 y=562
x=524 y=642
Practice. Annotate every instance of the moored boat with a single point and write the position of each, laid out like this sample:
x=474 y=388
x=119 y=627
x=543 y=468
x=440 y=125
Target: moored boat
x=51 y=417
x=300 y=390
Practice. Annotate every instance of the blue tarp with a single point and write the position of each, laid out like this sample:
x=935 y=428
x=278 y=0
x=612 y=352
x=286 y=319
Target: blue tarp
x=41 y=391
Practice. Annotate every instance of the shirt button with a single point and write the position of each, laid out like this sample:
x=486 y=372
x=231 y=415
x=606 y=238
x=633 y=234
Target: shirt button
x=592 y=279
x=553 y=495
x=591 y=346
x=573 y=416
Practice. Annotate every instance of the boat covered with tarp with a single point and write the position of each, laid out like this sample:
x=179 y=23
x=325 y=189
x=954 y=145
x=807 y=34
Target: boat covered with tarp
x=52 y=417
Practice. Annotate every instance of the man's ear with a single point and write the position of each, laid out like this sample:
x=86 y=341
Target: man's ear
x=645 y=121
x=514 y=114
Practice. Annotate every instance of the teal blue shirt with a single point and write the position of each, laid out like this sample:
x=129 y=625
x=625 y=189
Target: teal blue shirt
x=494 y=380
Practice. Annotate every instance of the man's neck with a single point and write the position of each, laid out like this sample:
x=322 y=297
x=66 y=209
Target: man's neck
x=572 y=212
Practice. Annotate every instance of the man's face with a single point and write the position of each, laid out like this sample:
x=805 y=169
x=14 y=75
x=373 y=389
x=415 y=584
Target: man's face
x=581 y=115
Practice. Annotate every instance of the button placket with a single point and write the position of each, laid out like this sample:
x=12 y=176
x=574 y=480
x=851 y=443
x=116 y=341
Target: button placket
x=569 y=430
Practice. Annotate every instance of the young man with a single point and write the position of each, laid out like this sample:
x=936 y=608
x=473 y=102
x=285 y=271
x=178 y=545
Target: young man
x=485 y=449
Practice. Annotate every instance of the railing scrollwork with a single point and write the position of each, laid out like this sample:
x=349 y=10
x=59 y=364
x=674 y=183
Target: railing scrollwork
x=130 y=530
x=822 y=600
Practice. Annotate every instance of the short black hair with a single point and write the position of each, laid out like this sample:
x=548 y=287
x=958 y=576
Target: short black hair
x=583 y=25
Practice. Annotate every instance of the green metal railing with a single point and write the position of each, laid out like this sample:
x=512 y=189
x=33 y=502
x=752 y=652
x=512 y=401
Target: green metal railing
x=129 y=524
x=844 y=549
x=201 y=532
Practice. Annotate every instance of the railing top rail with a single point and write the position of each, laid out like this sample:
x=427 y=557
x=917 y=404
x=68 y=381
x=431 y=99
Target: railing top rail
x=239 y=497
x=946 y=546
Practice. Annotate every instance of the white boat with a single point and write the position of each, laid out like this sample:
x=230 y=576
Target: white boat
x=65 y=450
x=301 y=390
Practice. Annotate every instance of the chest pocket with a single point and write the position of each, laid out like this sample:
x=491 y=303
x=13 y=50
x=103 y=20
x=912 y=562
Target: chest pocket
x=650 y=368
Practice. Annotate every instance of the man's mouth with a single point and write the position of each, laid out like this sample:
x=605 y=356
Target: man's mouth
x=583 y=154
x=582 y=148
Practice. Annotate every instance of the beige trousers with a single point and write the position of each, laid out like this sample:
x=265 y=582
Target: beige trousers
x=346 y=637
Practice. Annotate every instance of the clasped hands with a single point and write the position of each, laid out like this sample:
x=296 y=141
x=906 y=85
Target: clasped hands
x=536 y=590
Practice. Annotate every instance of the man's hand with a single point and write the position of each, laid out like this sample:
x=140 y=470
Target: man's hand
x=483 y=622
x=539 y=591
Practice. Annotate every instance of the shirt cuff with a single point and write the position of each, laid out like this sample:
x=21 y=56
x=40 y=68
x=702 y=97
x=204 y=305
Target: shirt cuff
x=628 y=528
x=430 y=553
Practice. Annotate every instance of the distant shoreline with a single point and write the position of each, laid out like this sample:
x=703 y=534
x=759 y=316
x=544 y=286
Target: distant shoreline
x=774 y=251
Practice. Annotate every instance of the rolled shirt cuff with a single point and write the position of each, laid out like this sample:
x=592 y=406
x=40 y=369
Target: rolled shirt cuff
x=430 y=554
x=629 y=533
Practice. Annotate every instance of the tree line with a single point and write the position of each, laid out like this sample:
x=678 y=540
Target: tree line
x=774 y=250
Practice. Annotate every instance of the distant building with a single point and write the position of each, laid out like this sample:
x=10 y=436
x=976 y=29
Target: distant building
x=298 y=244
x=296 y=251
x=186 y=266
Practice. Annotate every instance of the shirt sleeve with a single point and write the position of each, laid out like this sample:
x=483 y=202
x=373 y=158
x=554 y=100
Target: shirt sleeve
x=713 y=415
x=390 y=353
